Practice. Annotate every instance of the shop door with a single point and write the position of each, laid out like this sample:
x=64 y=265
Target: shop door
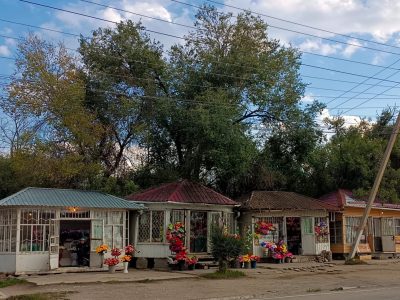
x=307 y=236
x=198 y=231
x=377 y=235
x=54 y=242
x=387 y=230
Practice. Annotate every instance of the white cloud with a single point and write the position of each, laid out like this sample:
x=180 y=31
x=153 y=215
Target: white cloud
x=307 y=98
x=350 y=49
x=317 y=46
x=349 y=120
x=4 y=50
x=378 y=19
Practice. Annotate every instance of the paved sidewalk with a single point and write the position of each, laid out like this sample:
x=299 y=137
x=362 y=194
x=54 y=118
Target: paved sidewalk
x=95 y=277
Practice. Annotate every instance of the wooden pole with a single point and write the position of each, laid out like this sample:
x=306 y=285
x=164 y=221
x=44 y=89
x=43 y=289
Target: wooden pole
x=375 y=187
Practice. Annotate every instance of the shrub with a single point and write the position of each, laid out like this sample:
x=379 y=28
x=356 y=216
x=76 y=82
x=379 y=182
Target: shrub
x=225 y=247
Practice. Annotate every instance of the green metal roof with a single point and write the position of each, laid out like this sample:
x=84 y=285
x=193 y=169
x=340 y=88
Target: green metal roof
x=32 y=196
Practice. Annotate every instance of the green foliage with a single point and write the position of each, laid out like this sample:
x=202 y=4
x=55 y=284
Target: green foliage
x=227 y=274
x=225 y=247
x=11 y=281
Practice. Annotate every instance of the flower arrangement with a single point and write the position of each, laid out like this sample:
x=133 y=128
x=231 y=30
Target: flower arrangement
x=176 y=236
x=115 y=252
x=130 y=250
x=279 y=251
x=263 y=228
x=181 y=256
x=101 y=249
x=244 y=258
x=254 y=258
x=126 y=258
x=321 y=229
x=112 y=261
x=191 y=260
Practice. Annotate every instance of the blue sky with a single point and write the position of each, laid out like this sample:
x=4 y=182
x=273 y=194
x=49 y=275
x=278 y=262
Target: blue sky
x=365 y=19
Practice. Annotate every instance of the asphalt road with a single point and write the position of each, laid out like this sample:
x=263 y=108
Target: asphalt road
x=386 y=293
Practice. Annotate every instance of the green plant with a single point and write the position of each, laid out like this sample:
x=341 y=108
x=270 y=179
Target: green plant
x=11 y=281
x=227 y=274
x=225 y=247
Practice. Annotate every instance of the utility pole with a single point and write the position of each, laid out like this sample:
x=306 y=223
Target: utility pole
x=376 y=185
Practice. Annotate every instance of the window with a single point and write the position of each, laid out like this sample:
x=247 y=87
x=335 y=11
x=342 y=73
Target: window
x=177 y=216
x=274 y=235
x=229 y=222
x=387 y=226
x=35 y=229
x=151 y=227
x=307 y=225
x=335 y=229
x=351 y=226
x=8 y=230
x=397 y=226
x=113 y=227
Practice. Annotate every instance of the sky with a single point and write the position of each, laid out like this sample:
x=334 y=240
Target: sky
x=351 y=48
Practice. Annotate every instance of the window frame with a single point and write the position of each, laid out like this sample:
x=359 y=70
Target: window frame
x=150 y=227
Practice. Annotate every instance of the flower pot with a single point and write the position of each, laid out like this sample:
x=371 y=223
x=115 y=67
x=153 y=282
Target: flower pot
x=101 y=260
x=181 y=265
x=111 y=269
x=126 y=265
x=253 y=264
x=191 y=267
x=235 y=264
x=246 y=265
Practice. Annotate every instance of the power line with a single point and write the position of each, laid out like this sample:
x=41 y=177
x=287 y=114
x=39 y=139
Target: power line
x=368 y=87
x=235 y=77
x=179 y=37
x=307 y=34
x=302 y=25
x=301 y=51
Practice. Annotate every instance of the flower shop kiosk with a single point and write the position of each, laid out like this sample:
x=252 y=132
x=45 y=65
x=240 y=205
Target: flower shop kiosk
x=381 y=237
x=194 y=206
x=286 y=221
x=40 y=228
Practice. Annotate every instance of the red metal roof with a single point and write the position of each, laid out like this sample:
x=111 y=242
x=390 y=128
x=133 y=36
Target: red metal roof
x=183 y=191
x=345 y=198
x=278 y=200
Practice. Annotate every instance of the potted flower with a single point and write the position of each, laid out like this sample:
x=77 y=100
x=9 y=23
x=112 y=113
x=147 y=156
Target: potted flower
x=111 y=262
x=125 y=260
x=191 y=262
x=181 y=257
x=245 y=260
x=253 y=261
x=100 y=250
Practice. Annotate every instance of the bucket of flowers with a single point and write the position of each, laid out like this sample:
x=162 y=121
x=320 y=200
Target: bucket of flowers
x=180 y=259
x=129 y=251
x=245 y=261
x=111 y=262
x=253 y=261
x=100 y=250
x=191 y=262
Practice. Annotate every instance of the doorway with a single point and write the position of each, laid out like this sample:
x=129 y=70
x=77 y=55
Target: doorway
x=293 y=229
x=74 y=250
x=198 y=232
x=377 y=235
